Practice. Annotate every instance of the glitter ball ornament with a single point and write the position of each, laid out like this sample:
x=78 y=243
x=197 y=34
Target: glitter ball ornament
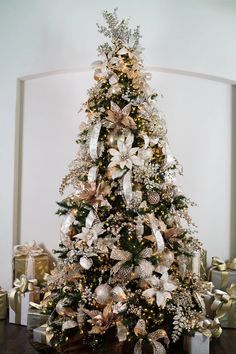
x=103 y=294
x=153 y=198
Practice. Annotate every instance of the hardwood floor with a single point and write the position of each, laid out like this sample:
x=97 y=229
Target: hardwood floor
x=15 y=340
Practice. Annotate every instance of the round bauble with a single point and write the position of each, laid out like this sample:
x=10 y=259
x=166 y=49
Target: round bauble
x=112 y=138
x=103 y=294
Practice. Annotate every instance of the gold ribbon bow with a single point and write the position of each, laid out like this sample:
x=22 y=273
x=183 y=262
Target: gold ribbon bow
x=223 y=300
x=219 y=264
x=158 y=348
x=210 y=328
x=222 y=266
x=28 y=249
x=144 y=269
x=21 y=286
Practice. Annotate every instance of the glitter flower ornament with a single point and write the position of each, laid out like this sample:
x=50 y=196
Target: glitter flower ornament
x=119 y=118
x=125 y=156
x=90 y=235
x=161 y=288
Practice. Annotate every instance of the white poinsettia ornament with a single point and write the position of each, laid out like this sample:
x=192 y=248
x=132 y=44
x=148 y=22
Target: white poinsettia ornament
x=125 y=156
x=93 y=228
x=161 y=288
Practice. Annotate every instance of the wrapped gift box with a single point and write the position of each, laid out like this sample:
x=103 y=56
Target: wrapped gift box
x=196 y=263
x=40 y=335
x=197 y=344
x=19 y=305
x=36 y=318
x=222 y=279
x=3 y=304
x=31 y=260
x=229 y=319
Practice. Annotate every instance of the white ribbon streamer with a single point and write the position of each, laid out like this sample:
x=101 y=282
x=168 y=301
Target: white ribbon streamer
x=90 y=219
x=127 y=187
x=92 y=174
x=156 y=232
x=93 y=144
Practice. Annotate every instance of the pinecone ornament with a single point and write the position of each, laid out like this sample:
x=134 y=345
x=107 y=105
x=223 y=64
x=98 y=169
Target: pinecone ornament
x=153 y=198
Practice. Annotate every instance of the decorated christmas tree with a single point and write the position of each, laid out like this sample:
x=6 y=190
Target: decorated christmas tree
x=126 y=239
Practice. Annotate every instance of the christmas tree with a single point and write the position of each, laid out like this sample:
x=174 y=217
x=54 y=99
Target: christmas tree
x=127 y=236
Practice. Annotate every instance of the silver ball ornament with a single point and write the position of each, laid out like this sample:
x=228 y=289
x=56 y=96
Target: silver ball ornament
x=103 y=294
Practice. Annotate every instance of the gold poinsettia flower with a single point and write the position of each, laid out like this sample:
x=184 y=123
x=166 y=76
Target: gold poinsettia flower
x=101 y=321
x=119 y=118
x=93 y=194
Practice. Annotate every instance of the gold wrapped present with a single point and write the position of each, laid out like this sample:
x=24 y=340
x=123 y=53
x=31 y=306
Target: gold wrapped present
x=222 y=274
x=3 y=304
x=31 y=260
x=19 y=298
x=36 y=318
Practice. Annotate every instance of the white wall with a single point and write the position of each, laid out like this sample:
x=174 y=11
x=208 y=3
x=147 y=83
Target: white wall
x=50 y=127
x=40 y=36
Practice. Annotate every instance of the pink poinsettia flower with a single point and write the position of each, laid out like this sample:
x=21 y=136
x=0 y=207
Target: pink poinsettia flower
x=125 y=156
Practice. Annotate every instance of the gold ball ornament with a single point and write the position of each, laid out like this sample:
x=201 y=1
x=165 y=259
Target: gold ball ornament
x=112 y=138
x=103 y=294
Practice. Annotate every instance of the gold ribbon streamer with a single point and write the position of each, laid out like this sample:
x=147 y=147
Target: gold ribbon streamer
x=158 y=348
x=93 y=144
x=156 y=232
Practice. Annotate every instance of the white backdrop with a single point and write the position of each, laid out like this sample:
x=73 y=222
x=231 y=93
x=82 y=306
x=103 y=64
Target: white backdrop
x=199 y=123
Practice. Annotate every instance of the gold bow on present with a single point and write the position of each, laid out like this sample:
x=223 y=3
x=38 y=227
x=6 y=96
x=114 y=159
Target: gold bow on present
x=28 y=249
x=219 y=264
x=223 y=300
x=210 y=328
x=158 y=348
x=20 y=286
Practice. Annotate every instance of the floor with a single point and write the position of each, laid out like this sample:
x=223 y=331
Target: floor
x=15 y=340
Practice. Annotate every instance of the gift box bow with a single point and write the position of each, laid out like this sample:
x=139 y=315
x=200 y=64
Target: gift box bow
x=220 y=265
x=210 y=327
x=20 y=286
x=28 y=249
x=223 y=300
